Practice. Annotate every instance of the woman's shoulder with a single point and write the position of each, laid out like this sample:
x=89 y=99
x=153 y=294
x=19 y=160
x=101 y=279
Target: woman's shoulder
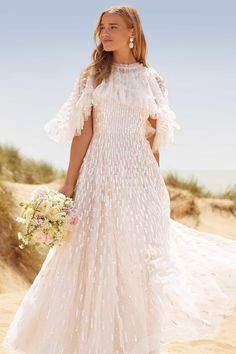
x=83 y=78
x=83 y=75
x=156 y=78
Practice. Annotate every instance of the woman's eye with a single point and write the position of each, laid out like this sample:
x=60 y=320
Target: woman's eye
x=101 y=28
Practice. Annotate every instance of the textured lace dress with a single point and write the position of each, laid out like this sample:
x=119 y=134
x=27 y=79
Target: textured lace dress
x=129 y=279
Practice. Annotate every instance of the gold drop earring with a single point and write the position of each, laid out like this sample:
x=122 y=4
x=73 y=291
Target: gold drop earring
x=131 y=44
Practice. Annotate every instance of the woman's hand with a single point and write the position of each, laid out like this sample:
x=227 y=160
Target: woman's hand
x=67 y=190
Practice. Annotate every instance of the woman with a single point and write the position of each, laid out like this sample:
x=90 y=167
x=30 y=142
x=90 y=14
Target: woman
x=130 y=278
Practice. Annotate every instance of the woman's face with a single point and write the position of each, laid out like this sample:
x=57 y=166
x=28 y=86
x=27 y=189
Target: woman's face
x=114 y=33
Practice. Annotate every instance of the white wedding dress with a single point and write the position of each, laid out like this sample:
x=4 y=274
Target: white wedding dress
x=129 y=278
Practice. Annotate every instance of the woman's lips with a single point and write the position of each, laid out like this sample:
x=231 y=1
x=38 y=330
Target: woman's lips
x=107 y=41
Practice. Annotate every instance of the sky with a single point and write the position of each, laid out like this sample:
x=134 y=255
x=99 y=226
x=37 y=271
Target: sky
x=192 y=44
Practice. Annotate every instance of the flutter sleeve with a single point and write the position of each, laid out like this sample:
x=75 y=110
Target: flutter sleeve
x=159 y=109
x=69 y=121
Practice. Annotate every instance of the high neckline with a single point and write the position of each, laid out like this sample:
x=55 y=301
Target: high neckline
x=127 y=66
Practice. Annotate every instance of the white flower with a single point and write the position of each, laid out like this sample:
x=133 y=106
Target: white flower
x=19 y=235
x=20 y=220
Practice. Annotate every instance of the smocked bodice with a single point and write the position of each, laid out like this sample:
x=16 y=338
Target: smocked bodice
x=118 y=106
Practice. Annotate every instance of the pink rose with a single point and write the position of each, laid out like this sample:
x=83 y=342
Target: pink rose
x=39 y=237
x=74 y=220
x=48 y=240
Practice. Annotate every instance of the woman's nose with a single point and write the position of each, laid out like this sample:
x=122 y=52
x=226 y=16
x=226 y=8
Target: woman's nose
x=104 y=31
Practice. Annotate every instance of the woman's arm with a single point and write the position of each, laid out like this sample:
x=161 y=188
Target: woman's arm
x=151 y=138
x=78 y=150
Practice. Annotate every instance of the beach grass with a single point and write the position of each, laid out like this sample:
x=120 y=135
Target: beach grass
x=17 y=168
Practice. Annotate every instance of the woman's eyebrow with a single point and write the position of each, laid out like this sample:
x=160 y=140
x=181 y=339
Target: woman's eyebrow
x=110 y=24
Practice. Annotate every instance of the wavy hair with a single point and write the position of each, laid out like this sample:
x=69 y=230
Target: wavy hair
x=100 y=68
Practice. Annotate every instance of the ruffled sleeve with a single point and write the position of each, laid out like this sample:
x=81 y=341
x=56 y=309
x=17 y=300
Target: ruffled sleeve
x=159 y=109
x=69 y=121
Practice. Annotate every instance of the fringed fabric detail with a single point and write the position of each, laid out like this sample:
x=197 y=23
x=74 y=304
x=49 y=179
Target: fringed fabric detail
x=70 y=119
x=159 y=109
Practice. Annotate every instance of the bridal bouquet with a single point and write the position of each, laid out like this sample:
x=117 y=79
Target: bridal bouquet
x=46 y=218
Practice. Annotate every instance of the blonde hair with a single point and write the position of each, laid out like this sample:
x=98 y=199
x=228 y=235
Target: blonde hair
x=102 y=60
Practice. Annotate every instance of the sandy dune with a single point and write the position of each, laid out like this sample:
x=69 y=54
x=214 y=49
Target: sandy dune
x=215 y=216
